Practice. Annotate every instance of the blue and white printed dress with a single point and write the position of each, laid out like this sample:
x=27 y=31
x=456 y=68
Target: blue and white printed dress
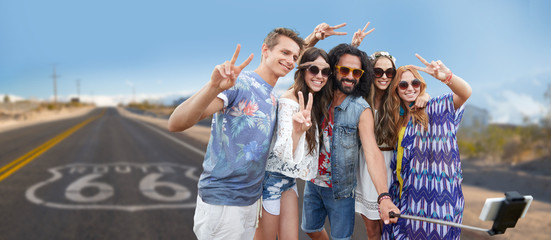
x=431 y=173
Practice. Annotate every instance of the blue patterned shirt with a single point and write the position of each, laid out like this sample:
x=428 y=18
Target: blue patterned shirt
x=240 y=138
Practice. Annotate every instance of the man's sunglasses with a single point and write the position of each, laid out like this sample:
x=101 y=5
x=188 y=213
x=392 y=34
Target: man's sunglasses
x=404 y=85
x=313 y=69
x=389 y=72
x=356 y=73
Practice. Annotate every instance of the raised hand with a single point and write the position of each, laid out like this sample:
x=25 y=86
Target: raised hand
x=460 y=88
x=224 y=75
x=302 y=119
x=360 y=35
x=437 y=69
x=323 y=30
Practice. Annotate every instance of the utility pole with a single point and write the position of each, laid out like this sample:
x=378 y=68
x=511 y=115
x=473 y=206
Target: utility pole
x=78 y=89
x=54 y=76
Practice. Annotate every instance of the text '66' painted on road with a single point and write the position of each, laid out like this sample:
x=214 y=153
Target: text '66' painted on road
x=116 y=186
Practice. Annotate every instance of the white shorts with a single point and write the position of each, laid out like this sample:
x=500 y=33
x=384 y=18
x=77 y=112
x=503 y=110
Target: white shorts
x=225 y=222
x=273 y=206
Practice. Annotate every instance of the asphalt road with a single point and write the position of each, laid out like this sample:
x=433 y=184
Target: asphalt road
x=113 y=178
x=101 y=176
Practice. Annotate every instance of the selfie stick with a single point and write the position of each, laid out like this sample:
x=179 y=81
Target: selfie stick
x=429 y=220
x=511 y=209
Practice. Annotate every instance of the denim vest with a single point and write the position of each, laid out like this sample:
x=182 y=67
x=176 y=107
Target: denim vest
x=345 y=146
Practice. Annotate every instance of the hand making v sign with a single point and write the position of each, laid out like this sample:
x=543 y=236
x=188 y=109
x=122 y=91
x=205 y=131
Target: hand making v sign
x=360 y=35
x=302 y=119
x=437 y=69
x=225 y=74
x=323 y=30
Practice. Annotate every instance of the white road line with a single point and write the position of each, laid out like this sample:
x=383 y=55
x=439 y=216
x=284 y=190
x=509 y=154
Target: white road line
x=176 y=140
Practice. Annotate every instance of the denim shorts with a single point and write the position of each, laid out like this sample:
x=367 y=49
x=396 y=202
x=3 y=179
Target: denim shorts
x=320 y=203
x=275 y=184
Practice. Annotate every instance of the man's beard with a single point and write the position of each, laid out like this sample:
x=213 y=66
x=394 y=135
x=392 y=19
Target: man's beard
x=346 y=90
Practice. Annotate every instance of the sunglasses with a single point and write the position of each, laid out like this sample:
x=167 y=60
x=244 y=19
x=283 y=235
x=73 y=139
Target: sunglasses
x=313 y=69
x=404 y=85
x=356 y=73
x=389 y=72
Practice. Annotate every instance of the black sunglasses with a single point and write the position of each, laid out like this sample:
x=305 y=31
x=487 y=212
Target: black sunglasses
x=389 y=72
x=313 y=69
x=404 y=85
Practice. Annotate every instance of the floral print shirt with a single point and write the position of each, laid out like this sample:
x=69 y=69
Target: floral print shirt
x=240 y=138
x=324 y=162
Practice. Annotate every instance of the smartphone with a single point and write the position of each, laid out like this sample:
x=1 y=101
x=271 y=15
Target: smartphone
x=491 y=207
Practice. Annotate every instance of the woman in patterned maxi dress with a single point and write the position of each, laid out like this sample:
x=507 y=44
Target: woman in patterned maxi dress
x=426 y=173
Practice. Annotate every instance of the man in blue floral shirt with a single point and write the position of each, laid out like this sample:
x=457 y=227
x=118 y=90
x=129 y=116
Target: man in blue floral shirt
x=244 y=107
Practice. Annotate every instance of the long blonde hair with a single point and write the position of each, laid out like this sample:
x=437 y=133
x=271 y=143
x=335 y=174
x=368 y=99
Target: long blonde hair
x=394 y=103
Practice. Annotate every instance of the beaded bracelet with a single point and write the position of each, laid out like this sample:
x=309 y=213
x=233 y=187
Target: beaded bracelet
x=381 y=196
x=448 y=80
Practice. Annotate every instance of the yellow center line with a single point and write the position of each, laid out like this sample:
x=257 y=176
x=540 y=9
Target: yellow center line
x=20 y=162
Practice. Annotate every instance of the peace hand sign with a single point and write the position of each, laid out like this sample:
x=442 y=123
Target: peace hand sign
x=360 y=35
x=224 y=75
x=436 y=69
x=301 y=119
x=323 y=30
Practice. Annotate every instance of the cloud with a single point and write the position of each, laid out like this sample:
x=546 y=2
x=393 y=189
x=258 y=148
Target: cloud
x=13 y=98
x=114 y=100
x=512 y=107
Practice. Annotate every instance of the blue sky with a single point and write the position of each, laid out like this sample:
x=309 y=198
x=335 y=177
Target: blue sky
x=164 y=49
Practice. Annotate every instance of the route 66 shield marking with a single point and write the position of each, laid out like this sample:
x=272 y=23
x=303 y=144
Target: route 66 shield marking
x=117 y=186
